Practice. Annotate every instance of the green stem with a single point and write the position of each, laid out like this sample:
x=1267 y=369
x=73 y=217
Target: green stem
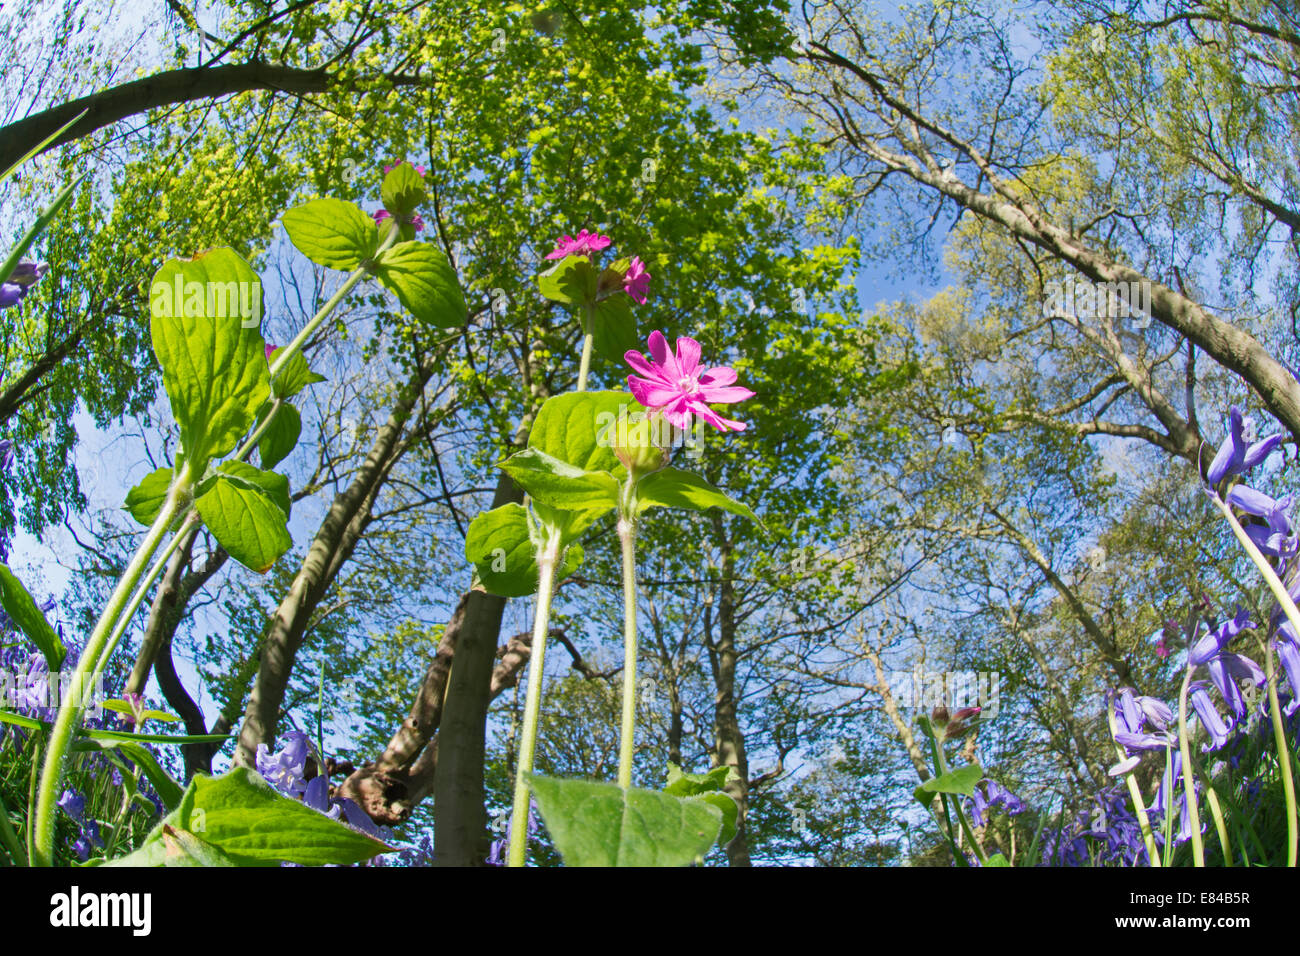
x=627 y=742
x=1279 y=731
x=246 y=449
x=1189 y=786
x=296 y=344
x=71 y=706
x=961 y=814
x=588 y=339
x=10 y=837
x=1134 y=792
x=1283 y=754
x=547 y=559
x=1216 y=812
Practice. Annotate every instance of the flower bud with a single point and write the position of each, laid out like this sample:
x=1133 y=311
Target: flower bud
x=637 y=443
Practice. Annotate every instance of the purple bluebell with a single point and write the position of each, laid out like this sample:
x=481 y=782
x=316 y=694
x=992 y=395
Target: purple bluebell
x=284 y=770
x=1234 y=455
x=1277 y=537
x=1210 y=718
x=1228 y=671
x=1133 y=713
x=11 y=294
x=1213 y=642
x=74 y=804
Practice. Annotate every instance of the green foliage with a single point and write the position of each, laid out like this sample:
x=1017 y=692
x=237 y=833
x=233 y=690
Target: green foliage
x=601 y=824
x=213 y=361
x=23 y=611
x=424 y=282
x=241 y=818
x=332 y=233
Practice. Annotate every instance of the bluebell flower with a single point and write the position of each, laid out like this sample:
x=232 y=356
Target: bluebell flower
x=1210 y=719
x=1227 y=671
x=284 y=770
x=1234 y=455
x=1213 y=642
x=74 y=804
x=1277 y=537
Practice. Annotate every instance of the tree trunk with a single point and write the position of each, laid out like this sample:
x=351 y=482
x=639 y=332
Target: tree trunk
x=460 y=817
x=729 y=740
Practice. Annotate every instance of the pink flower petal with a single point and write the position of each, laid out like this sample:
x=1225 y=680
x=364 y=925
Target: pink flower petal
x=725 y=395
x=666 y=360
x=688 y=356
x=718 y=375
x=639 y=364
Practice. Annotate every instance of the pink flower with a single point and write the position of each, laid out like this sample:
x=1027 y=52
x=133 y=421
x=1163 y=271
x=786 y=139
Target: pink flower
x=383 y=214
x=675 y=386
x=583 y=244
x=391 y=166
x=636 y=281
x=270 y=350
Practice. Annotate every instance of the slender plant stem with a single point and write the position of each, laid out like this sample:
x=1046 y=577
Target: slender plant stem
x=518 y=853
x=1216 y=813
x=71 y=706
x=588 y=339
x=1283 y=753
x=627 y=742
x=1189 y=786
x=247 y=447
x=9 y=837
x=1135 y=793
x=956 y=803
x=297 y=342
x=178 y=540
x=1279 y=731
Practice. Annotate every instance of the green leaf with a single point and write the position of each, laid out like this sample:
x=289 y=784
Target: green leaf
x=244 y=819
x=504 y=554
x=31 y=723
x=730 y=811
x=581 y=428
x=403 y=191
x=280 y=437
x=961 y=781
x=674 y=488
x=681 y=784
x=42 y=221
x=246 y=510
x=146 y=499
x=571 y=281
x=424 y=282
x=123 y=707
x=997 y=859
x=332 y=233
x=613 y=328
x=24 y=612
x=601 y=824
x=169 y=791
x=40 y=147
x=561 y=485
x=708 y=787
x=209 y=345
x=294 y=377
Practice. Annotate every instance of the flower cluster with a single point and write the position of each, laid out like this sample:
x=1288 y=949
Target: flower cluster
x=675 y=386
x=989 y=794
x=25 y=275
x=293 y=771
